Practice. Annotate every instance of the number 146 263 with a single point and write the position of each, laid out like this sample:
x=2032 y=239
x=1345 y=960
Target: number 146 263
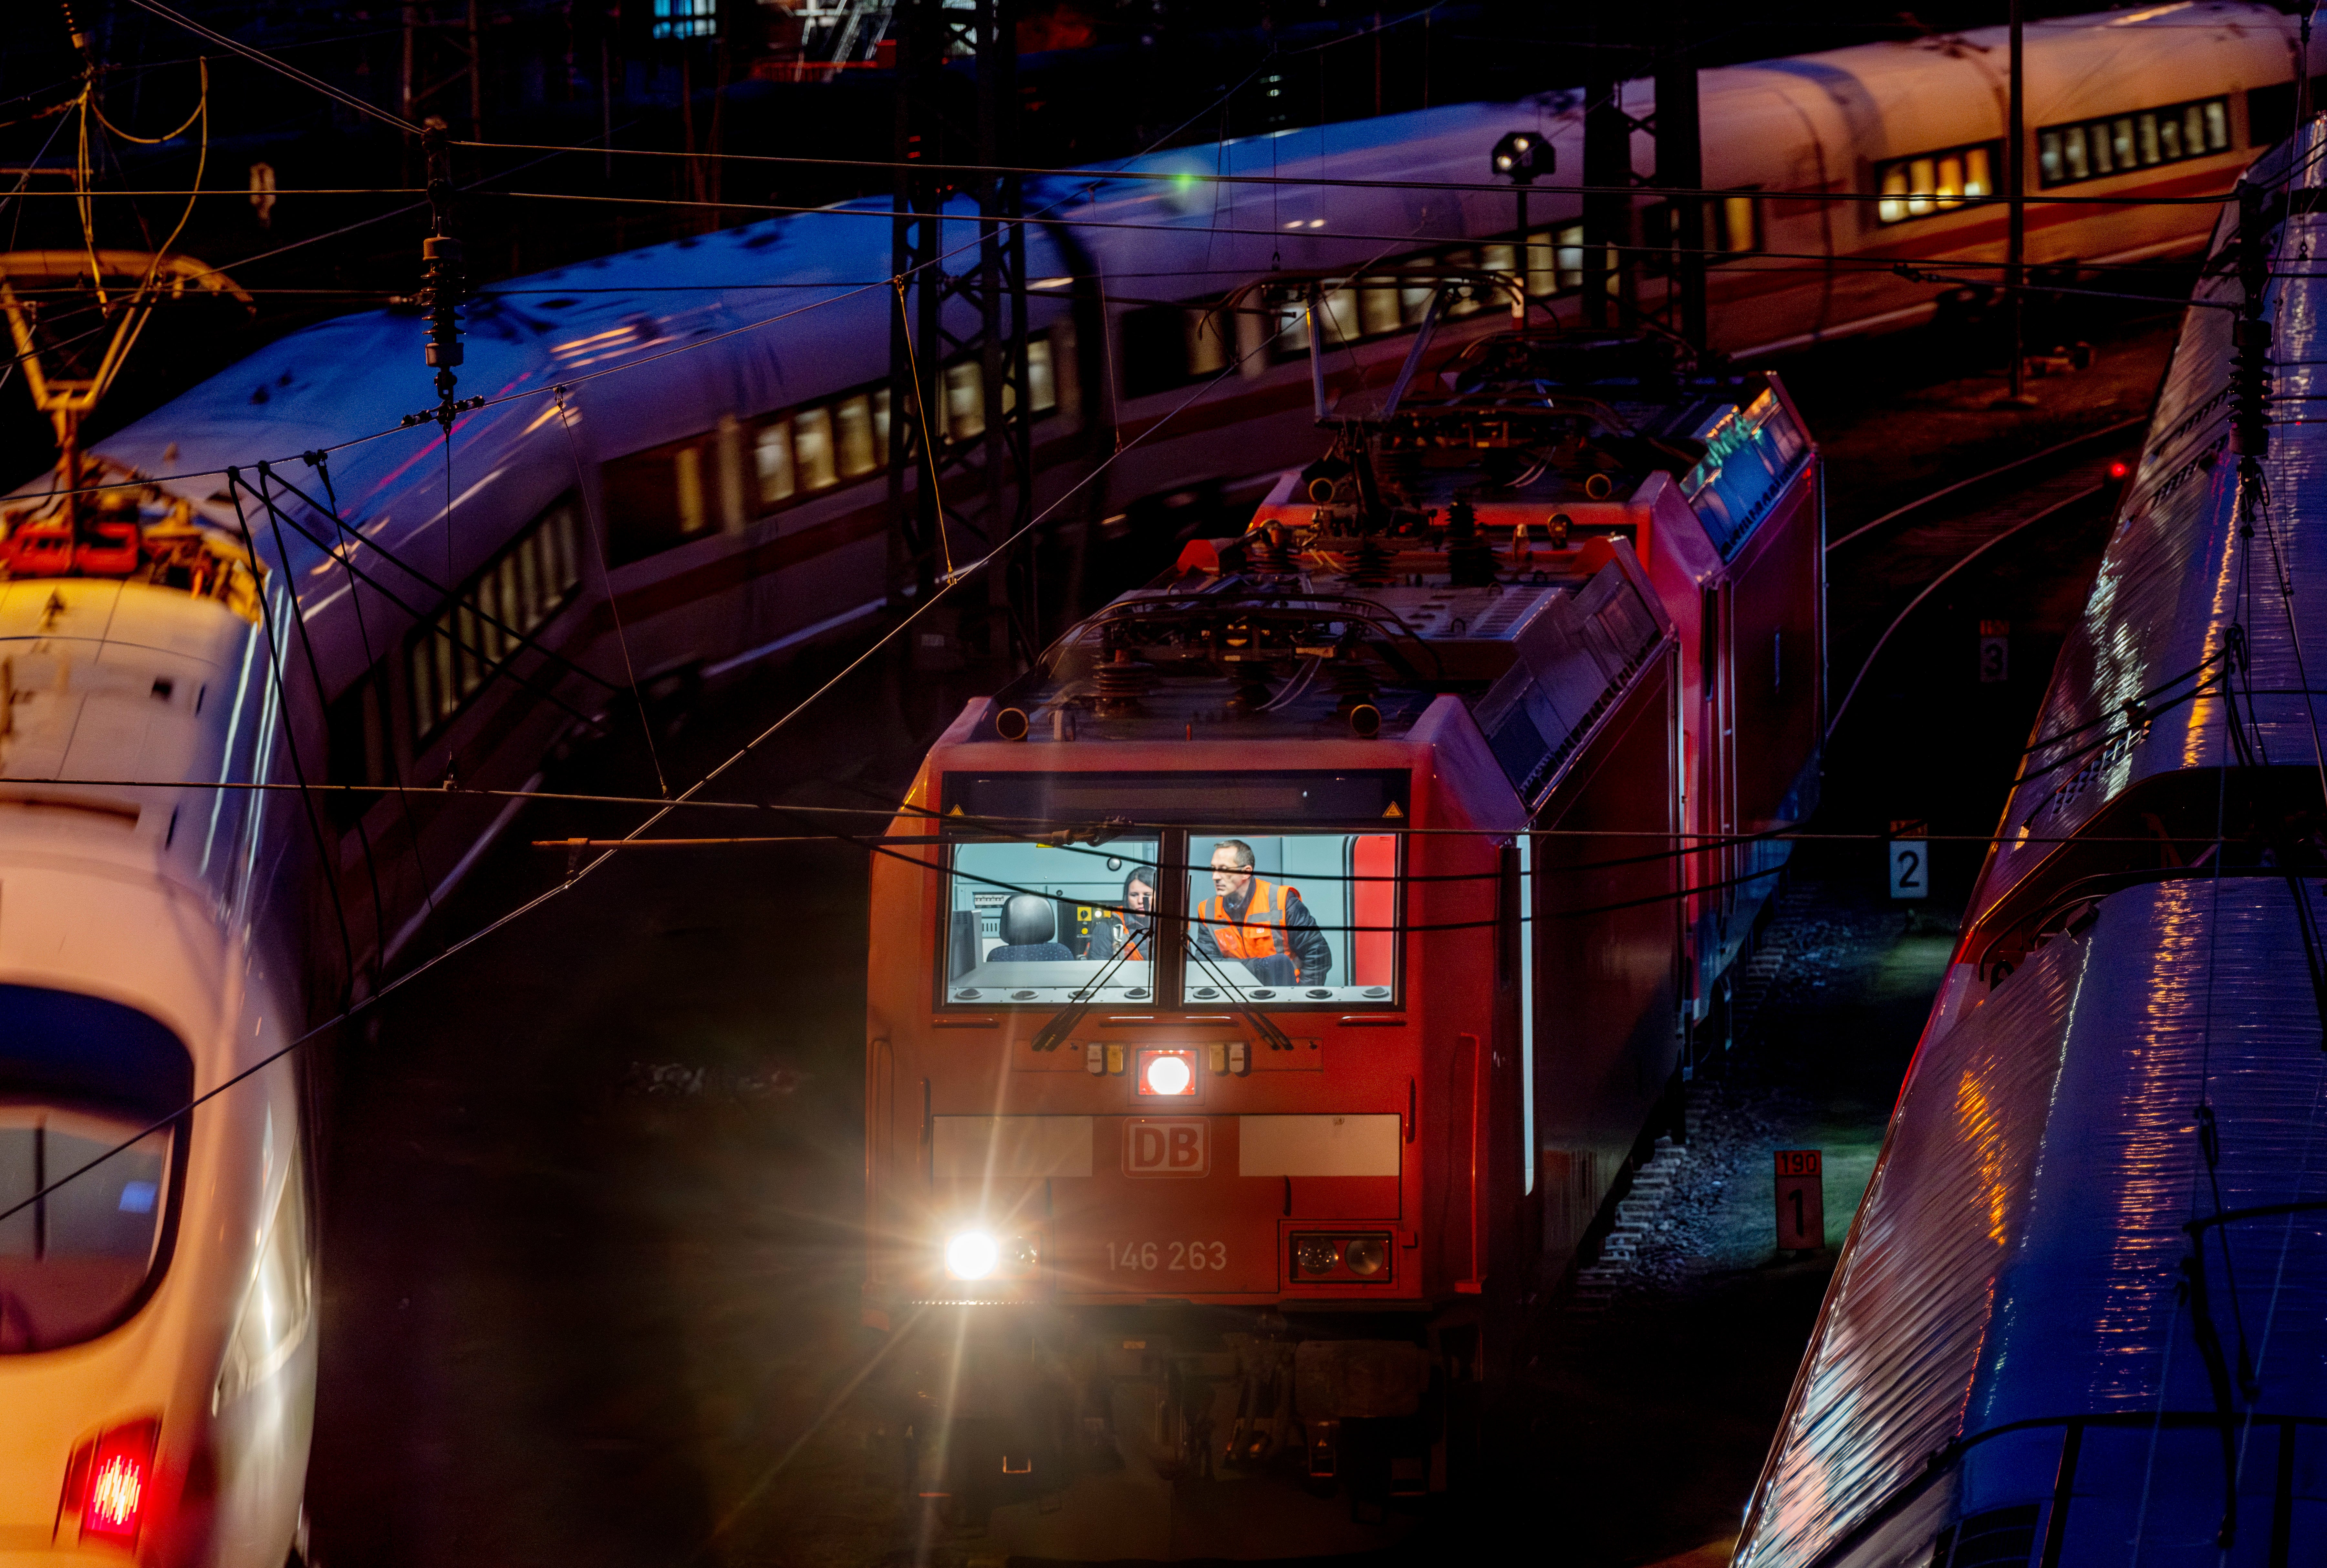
x=1168 y=1256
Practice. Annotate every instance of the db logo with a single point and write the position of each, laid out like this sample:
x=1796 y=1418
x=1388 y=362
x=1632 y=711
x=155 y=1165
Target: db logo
x=1154 y=1147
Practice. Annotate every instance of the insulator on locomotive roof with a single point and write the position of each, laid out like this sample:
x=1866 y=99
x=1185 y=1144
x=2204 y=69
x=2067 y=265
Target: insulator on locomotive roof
x=1122 y=680
x=1370 y=563
x=1469 y=559
x=1265 y=551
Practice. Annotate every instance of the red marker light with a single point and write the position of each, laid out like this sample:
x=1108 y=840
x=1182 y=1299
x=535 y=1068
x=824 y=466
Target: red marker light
x=2118 y=471
x=120 y=1474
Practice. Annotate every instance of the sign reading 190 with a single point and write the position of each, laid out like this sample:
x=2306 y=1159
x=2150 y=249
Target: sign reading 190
x=1168 y=1256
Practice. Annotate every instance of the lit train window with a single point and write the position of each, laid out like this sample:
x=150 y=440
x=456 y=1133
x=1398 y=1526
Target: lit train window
x=965 y=401
x=78 y=1076
x=1460 y=261
x=1939 y=182
x=1042 y=378
x=2121 y=143
x=1567 y=259
x=1165 y=347
x=772 y=453
x=687 y=18
x=1293 y=917
x=812 y=449
x=1042 y=924
x=684 y=490
x=450 y=657
x=1732 y=229
x=852 y=420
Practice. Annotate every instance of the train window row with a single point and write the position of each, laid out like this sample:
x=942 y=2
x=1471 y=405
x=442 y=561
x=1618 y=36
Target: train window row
x=1167 y=347
x=1938 y=182
x=724 y=478
x=2067 y=153
x=448 y=658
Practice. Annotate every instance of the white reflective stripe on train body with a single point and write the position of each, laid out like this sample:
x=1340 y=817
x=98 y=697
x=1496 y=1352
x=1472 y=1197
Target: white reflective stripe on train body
x=1318 y=1145
x=976 y=1148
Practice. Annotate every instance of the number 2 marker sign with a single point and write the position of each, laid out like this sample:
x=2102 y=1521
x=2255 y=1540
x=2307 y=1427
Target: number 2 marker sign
x=1910 y=861
x=1802 y=1201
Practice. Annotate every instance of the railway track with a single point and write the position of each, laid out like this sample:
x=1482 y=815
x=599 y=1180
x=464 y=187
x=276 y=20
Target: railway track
x=1882 y=573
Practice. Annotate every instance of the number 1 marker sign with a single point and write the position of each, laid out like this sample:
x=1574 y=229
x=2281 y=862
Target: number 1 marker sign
x=1802 y=1201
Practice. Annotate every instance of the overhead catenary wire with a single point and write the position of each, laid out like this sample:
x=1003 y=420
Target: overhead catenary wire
x=343 y=535
x=521 y=910
x=282 y=68
x=575 y=877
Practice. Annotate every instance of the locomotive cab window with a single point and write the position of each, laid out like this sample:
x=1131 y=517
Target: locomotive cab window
x=1307 y=918
x=1307 y=915
x=1042 y=924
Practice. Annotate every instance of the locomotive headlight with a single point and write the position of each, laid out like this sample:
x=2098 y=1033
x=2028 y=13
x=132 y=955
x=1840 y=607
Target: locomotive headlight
x=972 y=1255
x=1315 y=1255
x=1366 y=1255
x=1168 y=1075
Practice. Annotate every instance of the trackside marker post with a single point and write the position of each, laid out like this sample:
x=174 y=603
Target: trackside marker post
x=1995 y=652
x=1911 y=859
x=1802 y=1201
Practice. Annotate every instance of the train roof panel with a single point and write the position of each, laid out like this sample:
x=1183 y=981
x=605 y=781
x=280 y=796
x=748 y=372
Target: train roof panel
x=1245 y=643
x=2137 y=692
x=2016 y=1265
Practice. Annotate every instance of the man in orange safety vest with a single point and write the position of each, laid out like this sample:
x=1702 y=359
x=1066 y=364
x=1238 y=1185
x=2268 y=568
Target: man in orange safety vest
x=1263 y=923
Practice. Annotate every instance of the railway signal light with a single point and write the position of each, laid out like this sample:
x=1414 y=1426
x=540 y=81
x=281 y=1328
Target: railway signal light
x=1521 y=155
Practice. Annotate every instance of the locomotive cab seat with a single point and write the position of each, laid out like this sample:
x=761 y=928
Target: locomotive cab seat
x=1030 y=929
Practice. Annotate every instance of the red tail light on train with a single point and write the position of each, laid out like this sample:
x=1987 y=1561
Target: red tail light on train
x=109 y=1482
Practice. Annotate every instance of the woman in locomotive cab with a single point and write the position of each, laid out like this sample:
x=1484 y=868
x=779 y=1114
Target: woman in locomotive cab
x=1125 y=934
x=1261 y=922
x=1039 y=924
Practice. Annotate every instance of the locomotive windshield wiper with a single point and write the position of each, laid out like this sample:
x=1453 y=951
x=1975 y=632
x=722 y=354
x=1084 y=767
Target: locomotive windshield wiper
x=1263 y=1025
x=1062 y=1022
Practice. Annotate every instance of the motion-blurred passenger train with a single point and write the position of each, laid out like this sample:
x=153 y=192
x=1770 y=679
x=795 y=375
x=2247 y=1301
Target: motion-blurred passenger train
x=2081 y=1317
x=711 y=491
x=157 y=1357
x=1269 y=990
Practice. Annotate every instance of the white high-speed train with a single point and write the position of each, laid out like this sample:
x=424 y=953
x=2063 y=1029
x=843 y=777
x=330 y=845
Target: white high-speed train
x=2081 y=1317
x=712 y=489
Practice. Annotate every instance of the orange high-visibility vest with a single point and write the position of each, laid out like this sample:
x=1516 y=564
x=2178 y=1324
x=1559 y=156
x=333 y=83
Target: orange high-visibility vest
x=1262 y=933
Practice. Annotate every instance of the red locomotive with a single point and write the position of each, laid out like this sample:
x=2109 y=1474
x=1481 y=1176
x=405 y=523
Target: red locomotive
x=1269 y=989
